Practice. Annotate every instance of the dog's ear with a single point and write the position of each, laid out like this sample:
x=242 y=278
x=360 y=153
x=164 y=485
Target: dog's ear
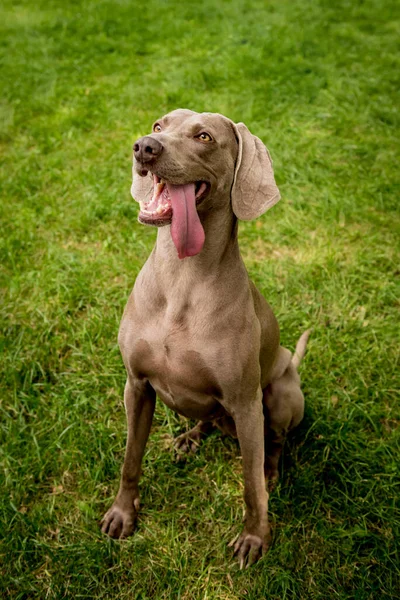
x=254 y=190
x=142 y=187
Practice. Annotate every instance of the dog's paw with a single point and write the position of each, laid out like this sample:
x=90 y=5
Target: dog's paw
x=249 y=548
x=119 y=522
x=271 y=478
x=187 y=443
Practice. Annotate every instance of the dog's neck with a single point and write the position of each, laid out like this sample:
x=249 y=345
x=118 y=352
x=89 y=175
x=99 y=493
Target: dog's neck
x=220 y=250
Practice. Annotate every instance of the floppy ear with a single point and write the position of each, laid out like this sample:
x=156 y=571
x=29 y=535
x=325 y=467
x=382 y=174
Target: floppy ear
x=142 y=187
x=254 y=190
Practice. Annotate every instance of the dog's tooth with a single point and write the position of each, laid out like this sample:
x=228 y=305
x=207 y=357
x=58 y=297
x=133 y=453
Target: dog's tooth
x=159 y=210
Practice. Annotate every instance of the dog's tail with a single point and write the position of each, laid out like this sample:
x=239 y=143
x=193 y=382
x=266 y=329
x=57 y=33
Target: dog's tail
x=300 y=348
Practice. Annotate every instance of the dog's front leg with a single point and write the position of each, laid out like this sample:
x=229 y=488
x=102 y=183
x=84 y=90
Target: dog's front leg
x=139 y=398
x=254 y=539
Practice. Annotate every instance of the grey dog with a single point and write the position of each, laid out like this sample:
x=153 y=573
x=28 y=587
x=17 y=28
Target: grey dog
x=196 y=331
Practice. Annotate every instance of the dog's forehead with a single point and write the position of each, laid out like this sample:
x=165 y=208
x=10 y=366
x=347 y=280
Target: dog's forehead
x=182 y=117
x=178 y=115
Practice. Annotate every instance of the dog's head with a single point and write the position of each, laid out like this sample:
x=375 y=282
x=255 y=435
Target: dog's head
x=192 y=162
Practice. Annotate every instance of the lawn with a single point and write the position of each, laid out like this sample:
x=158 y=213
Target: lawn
x=318 y=81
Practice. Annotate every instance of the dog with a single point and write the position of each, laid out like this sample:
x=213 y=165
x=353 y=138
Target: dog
x=196 y=332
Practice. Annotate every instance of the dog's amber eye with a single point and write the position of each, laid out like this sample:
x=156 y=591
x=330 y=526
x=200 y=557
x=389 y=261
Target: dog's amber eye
x=204 y=137
x=157 y=128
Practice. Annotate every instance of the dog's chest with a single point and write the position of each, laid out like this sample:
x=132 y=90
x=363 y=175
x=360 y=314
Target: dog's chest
x=178 y=362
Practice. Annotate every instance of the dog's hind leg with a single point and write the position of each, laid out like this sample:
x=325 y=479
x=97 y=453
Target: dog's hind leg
x=283 y=410
x=190 y=440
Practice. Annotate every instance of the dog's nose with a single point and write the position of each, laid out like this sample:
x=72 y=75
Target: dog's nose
x=147 y=149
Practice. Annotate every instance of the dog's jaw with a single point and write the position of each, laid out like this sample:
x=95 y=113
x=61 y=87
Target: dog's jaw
x=177 y=205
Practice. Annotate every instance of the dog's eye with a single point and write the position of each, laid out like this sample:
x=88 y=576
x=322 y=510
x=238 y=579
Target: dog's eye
x=157 y=128
x=204 y=137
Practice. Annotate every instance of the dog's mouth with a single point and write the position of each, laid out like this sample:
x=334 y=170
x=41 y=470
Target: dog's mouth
x=177 y=205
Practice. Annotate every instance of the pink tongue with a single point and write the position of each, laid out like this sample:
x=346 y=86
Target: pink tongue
x=186 y=230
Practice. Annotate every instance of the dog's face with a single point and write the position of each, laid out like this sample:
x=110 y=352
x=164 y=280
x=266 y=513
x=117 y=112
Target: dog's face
x=192 y=162
x=185 y=148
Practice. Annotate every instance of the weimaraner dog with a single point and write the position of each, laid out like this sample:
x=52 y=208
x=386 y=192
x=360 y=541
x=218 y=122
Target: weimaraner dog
x=196 y=331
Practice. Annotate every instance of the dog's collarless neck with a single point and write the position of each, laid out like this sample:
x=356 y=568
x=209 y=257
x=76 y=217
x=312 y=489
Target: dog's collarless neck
x=220 y=246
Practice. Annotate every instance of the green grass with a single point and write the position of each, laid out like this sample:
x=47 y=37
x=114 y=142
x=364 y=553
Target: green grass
x=317 y=81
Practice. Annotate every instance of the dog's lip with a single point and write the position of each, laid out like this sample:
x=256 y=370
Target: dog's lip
x=158 y=177
x=156 y=220
x=158 y=211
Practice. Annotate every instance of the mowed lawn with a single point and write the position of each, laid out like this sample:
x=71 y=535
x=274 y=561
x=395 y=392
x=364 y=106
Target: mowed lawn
x=318 y=81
